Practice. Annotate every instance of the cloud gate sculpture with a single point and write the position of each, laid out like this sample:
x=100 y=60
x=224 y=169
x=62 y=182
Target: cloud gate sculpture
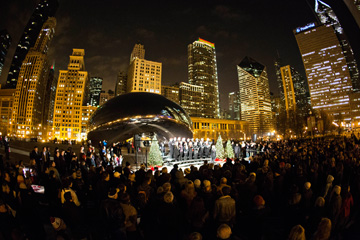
x=122 y=117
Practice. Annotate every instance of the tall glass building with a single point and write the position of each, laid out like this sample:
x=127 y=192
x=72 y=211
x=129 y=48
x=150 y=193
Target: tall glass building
x=95 y=90
x=5 y=41
x=327 y=16
x=255 y=97
x=31 y=89
x=44 y=10
x=326 y=69
x=121 y=83
x=202 y=71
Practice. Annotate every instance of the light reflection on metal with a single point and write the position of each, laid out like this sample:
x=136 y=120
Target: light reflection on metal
x=138 y=112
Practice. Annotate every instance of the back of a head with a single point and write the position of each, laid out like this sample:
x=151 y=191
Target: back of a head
x=320 y=202
x=67 y=197
x=195 y=236
x=167 y=187
x=324 y=230
x=224 y=231
x=297 y=233
x=223 y=180
x=168 y=197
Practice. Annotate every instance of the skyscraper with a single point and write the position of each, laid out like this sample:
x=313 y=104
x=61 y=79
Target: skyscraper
x=71 y=98
x=137 y=52
x=44 y=10
x=202 y=71
x=5 y=41
x=143 y=75
x=171 y=92
x=288 y=88
x=234 y=105
x=7 y=97
x=192 y=99
x=327 y=16
x=95 y=90
x=354 y=7
x=278 y=64
x=326 y=69
x=255 y=97
x=30 y=95
x=121 y=83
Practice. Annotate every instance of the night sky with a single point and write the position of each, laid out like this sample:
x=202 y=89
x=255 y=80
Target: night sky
x=108 y=30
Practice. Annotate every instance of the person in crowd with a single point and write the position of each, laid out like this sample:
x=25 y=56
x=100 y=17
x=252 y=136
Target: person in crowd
x=225 y=210
x=324 y=230
x=297 y=233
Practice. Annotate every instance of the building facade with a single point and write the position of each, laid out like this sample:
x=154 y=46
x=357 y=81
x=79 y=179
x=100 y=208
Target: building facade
x=44 y=10
x=255 y=97
x=71 y=96
x=5 y=41
x=144 y=76
x=192 y=99
x=327 y=16
x=86 y=112
x=202 y=71
x=354 y=8
x=234 y=105
x=95 y=90
x=137 y=52
x=171 y=93
x=213 y=127
x=7 y=97
x=120 y=87
x=29 y=109
x=106 y=96
x=288 y=87
x=326 y=69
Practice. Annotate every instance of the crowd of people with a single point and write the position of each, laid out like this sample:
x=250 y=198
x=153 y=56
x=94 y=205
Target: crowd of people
x=193 y=149
x=296 y=189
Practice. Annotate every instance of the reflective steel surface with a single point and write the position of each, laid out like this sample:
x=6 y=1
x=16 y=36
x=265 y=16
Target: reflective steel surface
x=139 y=112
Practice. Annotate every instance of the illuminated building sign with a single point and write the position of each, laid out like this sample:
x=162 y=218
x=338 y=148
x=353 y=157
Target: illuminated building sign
x=207 y=42
x=301 y=29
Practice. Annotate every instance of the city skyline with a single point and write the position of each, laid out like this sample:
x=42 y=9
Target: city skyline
x=258 y=29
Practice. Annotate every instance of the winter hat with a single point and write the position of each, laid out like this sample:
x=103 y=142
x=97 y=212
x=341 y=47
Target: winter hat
x=168 y=197
x=187 y=171
x=57 y=223
x=307 y=185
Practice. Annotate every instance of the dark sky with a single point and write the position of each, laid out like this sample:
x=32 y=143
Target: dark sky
x=108 y=30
